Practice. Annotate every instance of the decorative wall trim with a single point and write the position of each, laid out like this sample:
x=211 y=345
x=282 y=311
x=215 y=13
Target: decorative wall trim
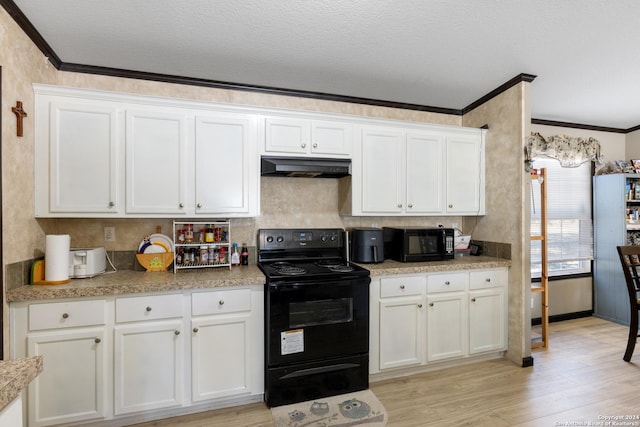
x=580 y=126
x=497 y=91
x=561 y=317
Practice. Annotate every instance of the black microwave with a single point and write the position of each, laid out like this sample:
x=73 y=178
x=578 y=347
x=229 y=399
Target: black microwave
x=413 y=244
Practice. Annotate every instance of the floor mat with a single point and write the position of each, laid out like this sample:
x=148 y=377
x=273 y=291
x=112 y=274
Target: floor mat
x=345 y=410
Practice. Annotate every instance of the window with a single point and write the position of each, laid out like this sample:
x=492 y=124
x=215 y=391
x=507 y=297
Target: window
x=569 y=223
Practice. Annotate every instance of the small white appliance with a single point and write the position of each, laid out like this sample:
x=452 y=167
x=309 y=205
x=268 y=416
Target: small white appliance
x=86 y=262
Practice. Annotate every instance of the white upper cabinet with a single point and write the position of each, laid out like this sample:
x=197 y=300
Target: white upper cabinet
x=102 y=154
x=77 y=158
x=416 y=170
x=307 y=137
x=465 y=175
x=156 y=153
x=226 y=167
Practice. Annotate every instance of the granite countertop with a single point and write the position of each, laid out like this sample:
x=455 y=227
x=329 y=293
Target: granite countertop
x=132 y=282
x=390 y=267
x=15 y=375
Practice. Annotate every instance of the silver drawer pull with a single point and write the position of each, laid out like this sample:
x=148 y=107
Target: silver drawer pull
x=401 y=286
x=176 y=332
x=148 y=308
x=315 y=145
x=419 y=305
x=447 y=283
x=488 y=279
x=97 y=340
x=221 y=302
x=195 y=330
x=111 y=204
x=473 y=300
x=65 y=315
x=430 y=304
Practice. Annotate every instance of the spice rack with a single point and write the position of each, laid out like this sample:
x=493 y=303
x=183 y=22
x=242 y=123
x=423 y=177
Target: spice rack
x=190 y=244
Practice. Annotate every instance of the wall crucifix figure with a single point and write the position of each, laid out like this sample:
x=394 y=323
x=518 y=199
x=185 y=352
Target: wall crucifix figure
x=20 y=114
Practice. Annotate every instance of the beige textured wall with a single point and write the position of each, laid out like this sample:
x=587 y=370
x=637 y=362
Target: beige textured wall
x=22 y=64
x=508 y=117
x=632 y=146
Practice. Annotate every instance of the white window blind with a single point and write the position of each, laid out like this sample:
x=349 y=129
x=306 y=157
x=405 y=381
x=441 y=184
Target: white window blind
x=569 y=223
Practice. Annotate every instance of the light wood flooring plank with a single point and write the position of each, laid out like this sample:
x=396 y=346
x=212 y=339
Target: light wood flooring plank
x=580 y=377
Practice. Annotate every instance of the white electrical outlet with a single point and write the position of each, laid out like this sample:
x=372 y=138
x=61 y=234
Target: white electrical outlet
x=109 y=234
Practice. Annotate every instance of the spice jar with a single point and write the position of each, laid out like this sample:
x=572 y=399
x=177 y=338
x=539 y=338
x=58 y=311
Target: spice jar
x=188 y=233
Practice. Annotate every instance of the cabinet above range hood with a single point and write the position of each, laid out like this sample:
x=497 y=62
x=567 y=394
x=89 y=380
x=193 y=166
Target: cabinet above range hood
x=305 y=167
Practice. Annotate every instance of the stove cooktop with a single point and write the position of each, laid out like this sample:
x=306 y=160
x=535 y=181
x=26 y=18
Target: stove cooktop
x=319 y=269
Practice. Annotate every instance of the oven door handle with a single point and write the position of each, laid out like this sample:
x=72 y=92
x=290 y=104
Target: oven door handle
x=320 y=370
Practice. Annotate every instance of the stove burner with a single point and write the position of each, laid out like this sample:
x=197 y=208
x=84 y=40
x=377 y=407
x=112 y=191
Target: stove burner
x=329 y=263
x=290 y=270
x=341 y=268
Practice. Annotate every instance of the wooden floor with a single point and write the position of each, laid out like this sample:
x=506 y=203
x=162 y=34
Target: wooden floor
x=579 y=380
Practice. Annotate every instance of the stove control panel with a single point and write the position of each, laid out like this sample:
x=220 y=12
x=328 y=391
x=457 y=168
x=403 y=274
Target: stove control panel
x=278 y=239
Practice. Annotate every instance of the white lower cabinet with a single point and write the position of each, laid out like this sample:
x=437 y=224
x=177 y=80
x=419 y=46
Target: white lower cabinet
x=428 y=318
x=148 y=366
x=221 y=344
x=118 y=359
x=401 y=332
x=446 y=327
x=72 y=385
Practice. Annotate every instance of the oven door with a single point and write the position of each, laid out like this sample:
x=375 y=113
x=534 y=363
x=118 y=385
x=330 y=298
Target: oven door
x=308 y=321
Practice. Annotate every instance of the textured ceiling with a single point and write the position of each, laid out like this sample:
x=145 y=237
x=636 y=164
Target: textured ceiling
x=437 y=53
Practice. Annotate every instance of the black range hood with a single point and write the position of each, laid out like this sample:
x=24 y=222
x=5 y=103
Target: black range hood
x=305 y=167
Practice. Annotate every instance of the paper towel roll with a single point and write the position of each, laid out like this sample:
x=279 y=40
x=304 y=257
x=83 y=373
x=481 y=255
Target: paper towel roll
x=56 y=257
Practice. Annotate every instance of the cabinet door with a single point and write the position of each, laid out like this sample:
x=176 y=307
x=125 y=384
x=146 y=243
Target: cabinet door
x=73 y=385
x=465 y=174
x=333 y=138
x=148 y=366
x=287 y=135
x=487 y=318
x=83 y=159
x=401 y=332
x=226 y=165
x=425 y=180
x=156 y=159
x=382 y=171
x=220 y=354
x=446 y=326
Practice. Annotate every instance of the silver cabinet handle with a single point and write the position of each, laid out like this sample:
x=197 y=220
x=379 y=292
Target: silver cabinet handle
x=97 y=340
x=148 y=308
x=410 y=205
x=176 y=332
x=221 y=302
x=399 y=205
x=450 y=206
x=181 y=205
x=447 y=283
x=401 y=286
x=488 y=279
x=199 y=205
x=419 y=305
x=315 y=145
x=195 y=330
x=430 y=304
x=111 y=204
x=65 y=315
x=304 y=145
x=473 y=300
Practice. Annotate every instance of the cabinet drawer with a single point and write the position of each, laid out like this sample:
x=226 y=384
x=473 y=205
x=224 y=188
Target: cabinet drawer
x=148 y=308
x=66 y=314
x=402 y=286
x=488 y=278
x=218 y=302
x=447 y=282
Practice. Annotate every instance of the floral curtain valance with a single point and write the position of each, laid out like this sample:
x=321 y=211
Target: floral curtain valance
x=569 y=151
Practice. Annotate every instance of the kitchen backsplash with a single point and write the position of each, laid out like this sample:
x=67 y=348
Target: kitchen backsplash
x=285 y=202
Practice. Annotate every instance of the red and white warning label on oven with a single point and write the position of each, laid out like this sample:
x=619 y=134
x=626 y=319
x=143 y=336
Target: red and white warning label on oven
x=292 y=341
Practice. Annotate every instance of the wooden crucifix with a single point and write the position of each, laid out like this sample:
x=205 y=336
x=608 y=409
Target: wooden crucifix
x=20 y=114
